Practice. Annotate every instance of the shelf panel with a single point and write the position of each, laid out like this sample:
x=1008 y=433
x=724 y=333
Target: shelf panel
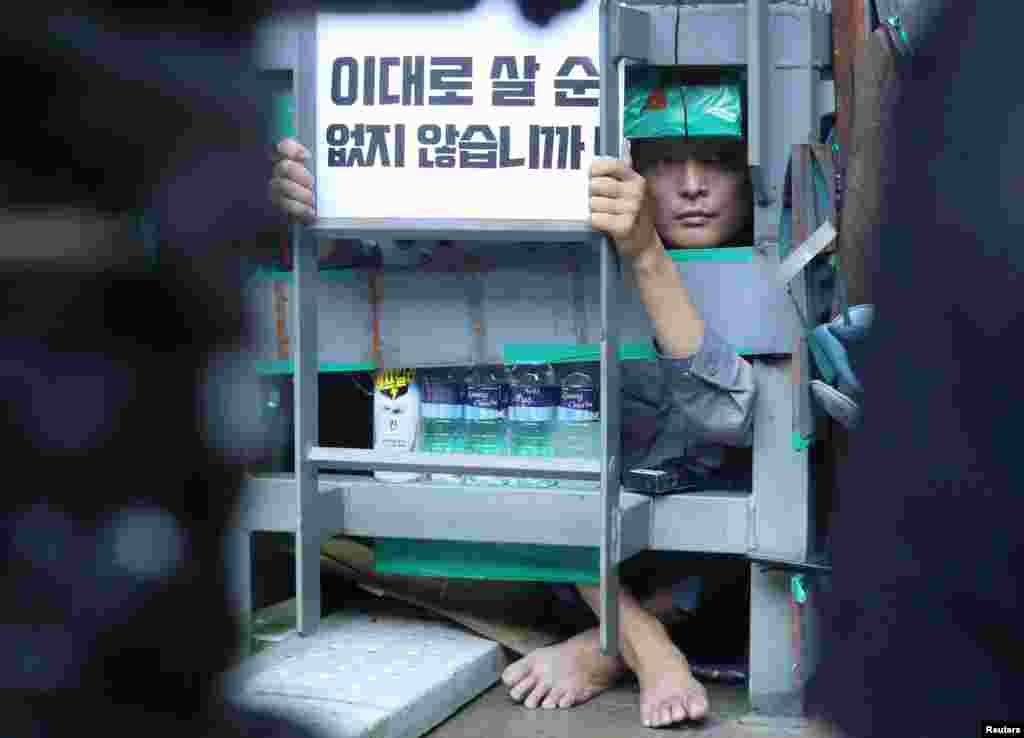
x=373 y=460
x=366 y=507
x=706 y=522
x=461 y=229
x=712 y=522
x=552 y=517
x=534 y=304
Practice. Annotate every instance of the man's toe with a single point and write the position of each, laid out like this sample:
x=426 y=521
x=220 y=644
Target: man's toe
x=678 y=713
x=665 y=715
x=568 y=700
x=520 y=690
x=551 y=701
x=697 y=707
x=515 y=672
x=537 y=695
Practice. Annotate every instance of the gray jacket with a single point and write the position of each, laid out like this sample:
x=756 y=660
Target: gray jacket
x=687 y=407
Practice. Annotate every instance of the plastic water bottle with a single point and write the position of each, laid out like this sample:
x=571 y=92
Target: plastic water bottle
x=485 y=414
x=442 y=410
x=578 y=425
x=532 y=407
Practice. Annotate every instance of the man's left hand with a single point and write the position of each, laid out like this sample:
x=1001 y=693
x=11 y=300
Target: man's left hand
x=621 y=207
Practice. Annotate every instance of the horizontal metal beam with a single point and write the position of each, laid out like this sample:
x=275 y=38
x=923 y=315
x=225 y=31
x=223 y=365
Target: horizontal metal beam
x=269 y=503
x=712 y=522
x=631 y=34
x=553 y=517
x=823 y=5
x=429 y=229
x=707 y=522
x=518 y=466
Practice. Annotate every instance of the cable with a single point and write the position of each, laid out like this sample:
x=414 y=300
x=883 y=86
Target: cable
x=682 y=88
x=675 y=48
x=686 y=119
x=362 y=389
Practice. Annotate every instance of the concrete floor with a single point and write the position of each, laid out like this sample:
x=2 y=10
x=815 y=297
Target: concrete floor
x=615 y=714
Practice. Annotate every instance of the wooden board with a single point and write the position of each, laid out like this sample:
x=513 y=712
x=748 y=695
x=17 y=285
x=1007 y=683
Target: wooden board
x=848 y=33
x=875 y=90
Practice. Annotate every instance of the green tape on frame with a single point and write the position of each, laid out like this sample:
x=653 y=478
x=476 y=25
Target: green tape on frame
x=283 y=116
x=730 y=254
x=327 y=274
x=281 y=367
x=726 y=254
x=567 y=353
x=800 y=443
x=518 y=562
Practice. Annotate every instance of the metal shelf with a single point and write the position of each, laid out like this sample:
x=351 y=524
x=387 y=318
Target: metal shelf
x=705 y=522
x=349 y=458
x=548 y=297
x=776 y=516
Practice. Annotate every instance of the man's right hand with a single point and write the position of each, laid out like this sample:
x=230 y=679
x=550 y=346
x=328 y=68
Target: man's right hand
x=291 y=186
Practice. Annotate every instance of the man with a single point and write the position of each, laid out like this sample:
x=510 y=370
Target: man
x=697 y=397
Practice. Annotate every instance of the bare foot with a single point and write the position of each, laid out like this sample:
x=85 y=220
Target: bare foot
x=669 y=693
x=563 y=675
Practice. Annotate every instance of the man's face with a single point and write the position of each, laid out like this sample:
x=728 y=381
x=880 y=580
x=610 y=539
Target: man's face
x=701 y=199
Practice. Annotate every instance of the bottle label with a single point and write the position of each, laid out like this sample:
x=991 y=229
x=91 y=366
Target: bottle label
x=579 y=405
x=443 y=400
x=485 y=401
x=535 y=395
x=394 y=382
x=531 y=402
x=486 y=396
x=444 y=393
x=579 y=398
x=396 y=421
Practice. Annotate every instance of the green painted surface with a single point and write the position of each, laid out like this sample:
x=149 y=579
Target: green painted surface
x=496 y=561
x=328 y=274
x=800 y=443
x=558 y=353
x=283 y=116
x=732 y=254
x=799 y=589
x=273 y=367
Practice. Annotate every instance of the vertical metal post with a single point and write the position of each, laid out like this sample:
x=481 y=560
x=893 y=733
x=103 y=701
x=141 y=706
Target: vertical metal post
x=238 y=561
x=759 y=69
x=782 y=524
x=305 y=355
x=304 y=352
x=611 y=402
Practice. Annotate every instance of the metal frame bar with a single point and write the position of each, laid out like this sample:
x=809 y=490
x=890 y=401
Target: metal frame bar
x=306 y=356
x=781 y=528
x=759 y=67
x=354 y=458
x=456 y=229
x=307 y=543
x=611 y=402
x=309 y=456
x=457 y=513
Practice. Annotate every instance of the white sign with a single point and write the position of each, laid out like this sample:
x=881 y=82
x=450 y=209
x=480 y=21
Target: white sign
x=478 y=115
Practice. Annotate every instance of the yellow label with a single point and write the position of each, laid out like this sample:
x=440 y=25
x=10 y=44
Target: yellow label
x=394 y=382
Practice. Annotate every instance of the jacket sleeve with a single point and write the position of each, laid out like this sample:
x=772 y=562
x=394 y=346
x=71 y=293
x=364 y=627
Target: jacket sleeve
x=709 y=397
